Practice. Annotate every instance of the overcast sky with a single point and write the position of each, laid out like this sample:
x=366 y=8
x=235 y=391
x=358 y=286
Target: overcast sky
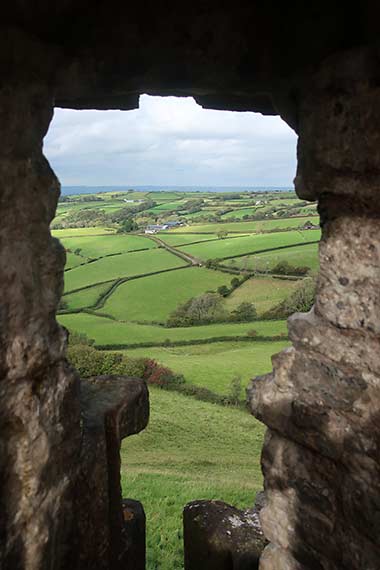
x=170 y=141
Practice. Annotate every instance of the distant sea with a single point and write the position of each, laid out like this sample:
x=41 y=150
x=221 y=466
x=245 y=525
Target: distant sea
x=66 y=190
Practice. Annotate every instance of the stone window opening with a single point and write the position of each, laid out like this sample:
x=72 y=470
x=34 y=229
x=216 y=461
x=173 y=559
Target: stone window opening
x=320 y=456
x=132 y=511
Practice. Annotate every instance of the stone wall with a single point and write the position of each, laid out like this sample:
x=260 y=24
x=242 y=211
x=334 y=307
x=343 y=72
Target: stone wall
x=322 y=401
x=321 y=404
x=60 y=496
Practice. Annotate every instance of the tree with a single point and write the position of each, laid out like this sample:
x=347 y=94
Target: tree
x=222 y=234
x=244 y=312
x=235 y=391
x=207 y=308
x=223 y=290
x=301 y=300
x=235 y=282
x=128 y=225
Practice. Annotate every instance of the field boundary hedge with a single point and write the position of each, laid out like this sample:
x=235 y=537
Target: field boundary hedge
x=169 y=343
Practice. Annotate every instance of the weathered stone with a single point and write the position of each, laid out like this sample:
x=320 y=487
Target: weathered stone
x=347 y=347
x=322 y=401
x=338 y=127
x=40 y=415
x=218 y=536
x=134 y=534
x=114 y=407
x=59 y=482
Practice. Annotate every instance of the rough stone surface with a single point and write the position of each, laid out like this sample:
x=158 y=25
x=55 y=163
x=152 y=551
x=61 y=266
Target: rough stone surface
x=114 y=407
x=40 y=415
x=322 y=402
x=60 y=498
x=220 y=537
x=134 y=534
x=60 y=504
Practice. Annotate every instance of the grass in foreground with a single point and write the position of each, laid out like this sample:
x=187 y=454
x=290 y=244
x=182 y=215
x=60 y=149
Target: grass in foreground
x=190 y=450
x=153 y=298
x=109 y=332
x=214 y=365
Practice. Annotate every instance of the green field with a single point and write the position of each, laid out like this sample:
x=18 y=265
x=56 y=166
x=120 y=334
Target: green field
x=248 y=227
x=85 y=297
x=165 y=207
x=124 y=265
x=264 y=293
x=184 y=239
x=191 y=449
x=214 y=365
x=237 y=246
x=76 y=232
x=109 y=332
x=303 y=255
x=152 y=299
x=186 y=453
x=239 y=213
x=98 y=246
x=73 y=260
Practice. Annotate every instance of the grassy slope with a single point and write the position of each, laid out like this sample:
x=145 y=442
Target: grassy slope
x=264 y=293
x=152 y=299
x=305 y=255
x=107 y=332
x=214 y=365
x=236 y=246
x=97 y=246
x=187 y=453
x=124 y=265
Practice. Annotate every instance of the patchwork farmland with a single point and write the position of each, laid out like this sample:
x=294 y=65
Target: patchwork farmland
x=201 y=284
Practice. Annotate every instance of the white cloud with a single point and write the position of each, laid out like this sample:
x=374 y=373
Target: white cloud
x=170 y=141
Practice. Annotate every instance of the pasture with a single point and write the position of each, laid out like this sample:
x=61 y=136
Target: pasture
x=248 y=227
x=183 y=239
x=246 y=244
x=98 y=246
x=73 y=260
x=302 y=255
x=76 y=232
x=190 y=450
x=123 y=265
x=153 y=298
x=85 y=297
x=263 y=292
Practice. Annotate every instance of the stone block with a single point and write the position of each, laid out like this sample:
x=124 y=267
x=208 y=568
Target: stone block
x=218 y=536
